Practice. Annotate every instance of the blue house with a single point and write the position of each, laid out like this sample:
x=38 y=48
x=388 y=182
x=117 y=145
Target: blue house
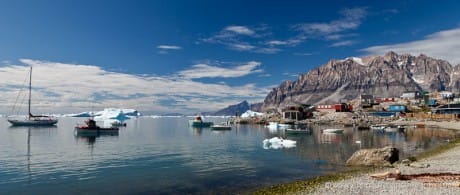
x=397 y=108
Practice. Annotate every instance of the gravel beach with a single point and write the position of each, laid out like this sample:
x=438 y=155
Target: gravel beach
x=447 y=162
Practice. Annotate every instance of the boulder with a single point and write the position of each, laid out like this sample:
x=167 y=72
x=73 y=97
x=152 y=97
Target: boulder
x=374 y=157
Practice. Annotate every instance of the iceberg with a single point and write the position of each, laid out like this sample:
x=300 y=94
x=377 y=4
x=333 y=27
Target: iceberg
x=111 y=113
x=81 y=114
x=110 y=116
x=114 y=116
x=108 y=113
x=115 y=111
x=250 y=113
x=278 y=143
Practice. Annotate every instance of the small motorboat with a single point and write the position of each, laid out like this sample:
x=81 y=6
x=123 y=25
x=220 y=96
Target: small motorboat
x=92 y=128
x=332 y=130
x=378 y=126
x=221 y=127
x=298 y=131
x=198 y=122
x=394 y=128
x=272 y=125
x=284 y=126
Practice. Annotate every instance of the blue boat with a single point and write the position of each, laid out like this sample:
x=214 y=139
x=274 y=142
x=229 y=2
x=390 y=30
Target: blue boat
x=198 y=122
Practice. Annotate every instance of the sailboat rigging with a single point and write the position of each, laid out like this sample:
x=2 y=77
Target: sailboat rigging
x=33 y=120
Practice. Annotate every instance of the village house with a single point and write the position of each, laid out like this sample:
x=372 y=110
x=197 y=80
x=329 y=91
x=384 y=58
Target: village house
x=380 y=100
x=411 y=95
x=343 y=107
x=397 y=108
x=367 y=101
x=447 y=109
x=296 y=113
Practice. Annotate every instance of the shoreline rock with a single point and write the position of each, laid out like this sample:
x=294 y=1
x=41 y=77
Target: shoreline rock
x=379 y=157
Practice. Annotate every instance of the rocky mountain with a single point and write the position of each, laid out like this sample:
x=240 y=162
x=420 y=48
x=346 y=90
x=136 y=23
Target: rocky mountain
x=233 y=109
x=257 y=107
x=383 y=76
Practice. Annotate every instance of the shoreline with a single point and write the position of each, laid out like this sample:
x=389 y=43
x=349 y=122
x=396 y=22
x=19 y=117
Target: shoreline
x=442 y=159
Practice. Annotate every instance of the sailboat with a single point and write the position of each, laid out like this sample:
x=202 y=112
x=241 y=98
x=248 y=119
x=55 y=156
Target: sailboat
x=33 y=120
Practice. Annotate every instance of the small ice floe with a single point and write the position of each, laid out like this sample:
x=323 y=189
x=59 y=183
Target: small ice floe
x=277 y=143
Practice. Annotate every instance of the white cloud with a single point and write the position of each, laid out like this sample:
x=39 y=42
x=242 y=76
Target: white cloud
x=241 y=46
x=335 y=37
x=289 y=42
x=276 y=42
x=257 y=39
x=351 y=19
x=169 y=47
x=242 y=30
x=243 y=38
x=304 y=54
x=444 y=45
x=267 y=50
x=60 y=87
x=342 y=43
x=290 y=74
x=232 y=33
x=208 y=71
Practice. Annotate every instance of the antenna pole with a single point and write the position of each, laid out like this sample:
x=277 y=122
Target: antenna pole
x=30 y=89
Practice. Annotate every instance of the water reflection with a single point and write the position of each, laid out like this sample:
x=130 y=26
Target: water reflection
x=32 y=131
x=196 y=130
x=90 y=136
x=330 y=138
x=90 y=140
x=336 y=148
x=188 y=160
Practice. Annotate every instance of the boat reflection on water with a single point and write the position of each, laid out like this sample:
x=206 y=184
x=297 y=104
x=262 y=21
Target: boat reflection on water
x=90 y=136
x=35 y=130
x=95 y=133
x=196 y=130
x=330 y=138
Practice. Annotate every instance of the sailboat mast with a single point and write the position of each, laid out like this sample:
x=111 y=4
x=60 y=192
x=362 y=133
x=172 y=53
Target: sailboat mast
x=30 y=89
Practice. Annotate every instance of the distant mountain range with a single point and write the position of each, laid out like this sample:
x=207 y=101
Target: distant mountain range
x=382 y=76
x=236 y=109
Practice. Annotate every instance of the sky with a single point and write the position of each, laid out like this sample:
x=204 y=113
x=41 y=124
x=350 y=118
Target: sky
x=179 y=56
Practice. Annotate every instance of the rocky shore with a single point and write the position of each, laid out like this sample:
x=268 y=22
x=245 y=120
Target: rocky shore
x=446 y=162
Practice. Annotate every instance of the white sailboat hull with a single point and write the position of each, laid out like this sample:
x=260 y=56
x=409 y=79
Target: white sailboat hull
x=32 y=122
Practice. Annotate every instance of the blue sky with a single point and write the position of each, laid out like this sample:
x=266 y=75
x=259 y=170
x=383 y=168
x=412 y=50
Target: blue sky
x=189 y=56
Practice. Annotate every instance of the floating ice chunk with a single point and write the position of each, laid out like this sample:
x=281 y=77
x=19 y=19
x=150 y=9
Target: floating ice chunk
x=115 y=111
x=109 y=113
x=277 y=143
x=81 y=114
x=250 y=113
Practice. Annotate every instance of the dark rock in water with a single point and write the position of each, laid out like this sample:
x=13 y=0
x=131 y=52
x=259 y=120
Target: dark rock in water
x=384 y=76
x=374 y=157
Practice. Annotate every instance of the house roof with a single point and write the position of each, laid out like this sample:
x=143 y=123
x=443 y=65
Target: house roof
x=449 y=106
x=367 y=96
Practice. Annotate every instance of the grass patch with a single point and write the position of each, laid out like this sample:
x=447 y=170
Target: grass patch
x=439 y=150
x=310 y=184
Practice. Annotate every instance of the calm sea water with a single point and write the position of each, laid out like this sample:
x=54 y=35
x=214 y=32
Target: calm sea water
x=165 y=156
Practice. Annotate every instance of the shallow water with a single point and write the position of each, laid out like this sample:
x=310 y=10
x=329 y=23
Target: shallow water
x=164 y=156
